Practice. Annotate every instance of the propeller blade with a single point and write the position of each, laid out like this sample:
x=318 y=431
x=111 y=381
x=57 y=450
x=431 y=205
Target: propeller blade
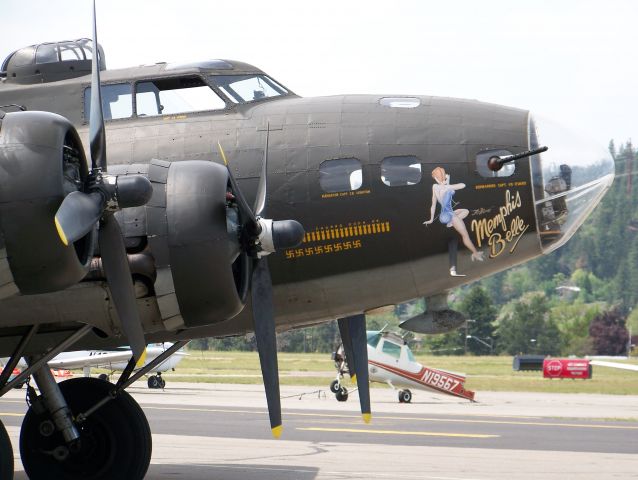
x=264 y=319
x=248 y=217
x=346 y=340
x=260 y=199
x=355 y=328
x=118 y=277
x=77 y=215
x=97 y=135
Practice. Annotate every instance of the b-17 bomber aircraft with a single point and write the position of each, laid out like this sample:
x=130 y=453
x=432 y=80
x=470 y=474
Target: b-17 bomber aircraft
x=168 y=202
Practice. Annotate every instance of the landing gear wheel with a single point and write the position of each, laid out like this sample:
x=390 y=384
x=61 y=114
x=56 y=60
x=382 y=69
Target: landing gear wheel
x=342 y=394
x=103 y=376
x=153 y=382
x=115 y=441
x=405 y=396
x=335 y=386
x=6 y=454
x=162 y=382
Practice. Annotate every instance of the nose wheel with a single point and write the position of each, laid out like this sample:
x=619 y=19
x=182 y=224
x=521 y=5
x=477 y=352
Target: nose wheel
x=115 y=440
x=156 y=381
x=335 y=386
x=342 y=395
x=405 y=396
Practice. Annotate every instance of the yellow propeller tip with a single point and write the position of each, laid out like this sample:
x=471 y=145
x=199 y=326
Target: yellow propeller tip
x=367 y=417
x=221 y=151
x=276 y=431
x=141 y=360
x=353 y=379
x=58 y=227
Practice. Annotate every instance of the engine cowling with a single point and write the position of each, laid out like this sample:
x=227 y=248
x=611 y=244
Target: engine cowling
x=41 y=161
x=192 y=237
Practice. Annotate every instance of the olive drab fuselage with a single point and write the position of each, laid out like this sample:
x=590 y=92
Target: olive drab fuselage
x=355 y=170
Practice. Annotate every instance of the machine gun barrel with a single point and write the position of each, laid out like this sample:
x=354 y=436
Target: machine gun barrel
x=495 y=163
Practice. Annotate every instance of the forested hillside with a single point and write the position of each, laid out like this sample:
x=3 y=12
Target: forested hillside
x=580 y=299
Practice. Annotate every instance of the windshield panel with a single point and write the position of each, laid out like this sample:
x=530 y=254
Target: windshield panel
x=569 y=180
x=248 y=88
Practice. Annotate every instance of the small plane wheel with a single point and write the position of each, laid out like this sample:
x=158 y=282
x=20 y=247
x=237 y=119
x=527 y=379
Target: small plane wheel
x=153 y=382
x=6 y=454
x=342 y=394
x=103 y=376
x=115 y=441
x=405 y=396
x=162 y=383
x=335 y=386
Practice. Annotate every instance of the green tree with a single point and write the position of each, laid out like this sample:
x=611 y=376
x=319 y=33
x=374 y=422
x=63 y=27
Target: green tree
x=573 y=320
x=477 y=307
x=451 y=343
x=529 y=329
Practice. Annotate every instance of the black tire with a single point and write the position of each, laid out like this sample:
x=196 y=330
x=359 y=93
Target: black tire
x=162 y=383
x=103 y=376
x=115 y=441
x=6 y=454
x=342 y=395
x=405 y=396
x=335 y=386
x=153 y=382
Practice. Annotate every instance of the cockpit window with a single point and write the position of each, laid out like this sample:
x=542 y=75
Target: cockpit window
x=117 y=101
x=483 y=157
x=373 y=339
x=340 y=175
x=247 y=88
x=391 y=349
x=46 y=53
x=169 y=96
x=71 y=51
x=400 y=171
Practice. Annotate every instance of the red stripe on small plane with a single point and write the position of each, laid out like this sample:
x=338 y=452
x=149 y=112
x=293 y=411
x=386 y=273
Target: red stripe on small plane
x=439 y=380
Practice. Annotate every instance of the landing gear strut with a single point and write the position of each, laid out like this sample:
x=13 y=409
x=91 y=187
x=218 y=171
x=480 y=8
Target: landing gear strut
x=114 y=441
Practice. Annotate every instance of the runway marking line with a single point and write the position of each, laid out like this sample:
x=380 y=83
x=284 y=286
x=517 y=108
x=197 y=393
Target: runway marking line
x=411 y=419
x=11 y=414
x=349 y=474
x=396 y=432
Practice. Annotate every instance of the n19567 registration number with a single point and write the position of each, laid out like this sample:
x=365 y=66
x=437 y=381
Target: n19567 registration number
x=438 y=380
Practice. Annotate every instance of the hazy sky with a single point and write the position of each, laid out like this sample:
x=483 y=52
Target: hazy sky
x=571 y=60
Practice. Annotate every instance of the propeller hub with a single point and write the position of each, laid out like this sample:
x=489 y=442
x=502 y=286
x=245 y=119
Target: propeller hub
x=279 y=234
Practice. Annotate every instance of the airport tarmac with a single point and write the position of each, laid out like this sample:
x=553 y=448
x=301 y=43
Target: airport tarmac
x=220 y=432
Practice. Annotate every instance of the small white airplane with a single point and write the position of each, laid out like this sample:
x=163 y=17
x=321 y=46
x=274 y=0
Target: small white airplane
x=391 y=361
x=114 y=360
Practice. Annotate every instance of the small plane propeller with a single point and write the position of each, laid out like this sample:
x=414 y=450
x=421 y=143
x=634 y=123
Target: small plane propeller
x=100 y=197
x=355 y=346
x=259 y=237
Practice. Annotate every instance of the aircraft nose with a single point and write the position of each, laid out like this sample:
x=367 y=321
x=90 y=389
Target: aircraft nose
x=569 y=180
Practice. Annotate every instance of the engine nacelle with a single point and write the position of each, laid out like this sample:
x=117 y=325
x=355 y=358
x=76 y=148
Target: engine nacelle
x=41 y=161
x=188 y=234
